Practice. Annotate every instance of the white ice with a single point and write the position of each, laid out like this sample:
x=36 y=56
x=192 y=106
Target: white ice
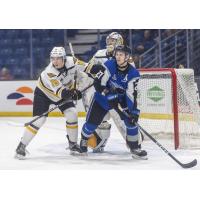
x=48 y=150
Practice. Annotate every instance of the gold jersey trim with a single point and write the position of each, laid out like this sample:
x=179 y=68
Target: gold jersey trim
x=32 y=130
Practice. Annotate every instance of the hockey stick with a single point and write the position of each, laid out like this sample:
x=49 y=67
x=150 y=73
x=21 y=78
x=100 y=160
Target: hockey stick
x=184 y=165
x=71 y=49
x=55 y=107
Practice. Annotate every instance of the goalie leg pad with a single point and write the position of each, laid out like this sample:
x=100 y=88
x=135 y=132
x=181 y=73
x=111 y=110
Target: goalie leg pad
x=100 y=137
x=96 y=143
x=119 y=123
x=92 y=141
x=103 y=130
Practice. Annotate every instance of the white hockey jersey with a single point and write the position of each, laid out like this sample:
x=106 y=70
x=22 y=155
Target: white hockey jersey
x=52 y=82
x=100 y=58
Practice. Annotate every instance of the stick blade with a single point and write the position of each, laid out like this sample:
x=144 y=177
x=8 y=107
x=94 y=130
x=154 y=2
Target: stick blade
x=190 y=164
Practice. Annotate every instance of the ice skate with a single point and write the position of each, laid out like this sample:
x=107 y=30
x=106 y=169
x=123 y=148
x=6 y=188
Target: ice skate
x=73 y=147
x=83 y=147
x=21 y=151
x=139 y=154
x=136 y=150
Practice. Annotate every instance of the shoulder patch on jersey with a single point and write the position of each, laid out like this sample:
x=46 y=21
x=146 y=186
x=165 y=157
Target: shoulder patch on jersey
x=101 y=57
x=51 y=75
x=80 y=62
x=54 y=82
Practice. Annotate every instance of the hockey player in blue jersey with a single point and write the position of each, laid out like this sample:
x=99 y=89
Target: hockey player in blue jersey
x=115 y=84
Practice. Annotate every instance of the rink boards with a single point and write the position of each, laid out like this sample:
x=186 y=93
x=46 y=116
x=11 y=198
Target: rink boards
x=17 y=99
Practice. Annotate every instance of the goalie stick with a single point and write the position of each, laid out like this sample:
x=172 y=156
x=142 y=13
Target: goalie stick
x=55 y=107
x=184 y=165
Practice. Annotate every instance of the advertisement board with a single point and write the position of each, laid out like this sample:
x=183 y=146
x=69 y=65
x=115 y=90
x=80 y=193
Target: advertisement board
x=16 y=99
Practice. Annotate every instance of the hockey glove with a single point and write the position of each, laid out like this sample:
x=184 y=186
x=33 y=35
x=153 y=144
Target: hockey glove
x=134 y=117
x=76 y=94
x=71 y=94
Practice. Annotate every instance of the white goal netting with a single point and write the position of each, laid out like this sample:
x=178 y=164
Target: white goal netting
x=169 y=106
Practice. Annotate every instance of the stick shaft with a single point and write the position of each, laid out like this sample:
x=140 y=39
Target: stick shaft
x=55 y=107
x=187 y=165
x=71 y=49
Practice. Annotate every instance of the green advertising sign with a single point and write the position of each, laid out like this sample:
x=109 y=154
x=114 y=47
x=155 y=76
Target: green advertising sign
x=155 y=93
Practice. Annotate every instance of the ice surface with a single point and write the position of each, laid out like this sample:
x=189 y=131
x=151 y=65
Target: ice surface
x=48 y=150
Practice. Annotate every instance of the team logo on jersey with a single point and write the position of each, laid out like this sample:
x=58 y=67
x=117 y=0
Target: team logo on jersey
x=51 y=75
x=125 y=78
x=54 y=82
x=19 y=96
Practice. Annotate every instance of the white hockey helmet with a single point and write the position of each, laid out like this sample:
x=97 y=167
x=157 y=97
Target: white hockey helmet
x=58 y=52
x=112 y=40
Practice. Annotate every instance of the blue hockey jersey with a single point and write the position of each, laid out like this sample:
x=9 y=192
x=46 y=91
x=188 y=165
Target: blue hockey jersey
x=124 y=83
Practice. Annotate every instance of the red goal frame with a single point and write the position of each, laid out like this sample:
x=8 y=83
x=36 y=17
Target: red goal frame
x=174 y=98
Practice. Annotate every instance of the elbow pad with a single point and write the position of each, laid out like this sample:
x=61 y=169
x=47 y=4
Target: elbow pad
x=98 y=87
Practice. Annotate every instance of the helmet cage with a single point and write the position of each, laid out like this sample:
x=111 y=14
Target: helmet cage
x=113 y=40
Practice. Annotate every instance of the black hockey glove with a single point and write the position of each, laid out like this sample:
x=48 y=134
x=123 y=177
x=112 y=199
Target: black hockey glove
x=71 y=94
x=76 y=94
x=113 y=100
x=134 y=115
x=133 y=119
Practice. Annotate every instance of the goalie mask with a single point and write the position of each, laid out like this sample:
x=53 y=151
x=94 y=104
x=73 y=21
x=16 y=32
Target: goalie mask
x=113 y=40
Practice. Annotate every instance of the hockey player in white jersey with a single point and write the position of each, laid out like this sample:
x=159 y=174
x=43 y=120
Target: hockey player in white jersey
x=55 y=84
x=98 y=140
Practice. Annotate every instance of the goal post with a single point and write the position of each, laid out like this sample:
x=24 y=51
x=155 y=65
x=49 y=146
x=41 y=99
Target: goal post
x=169 y=106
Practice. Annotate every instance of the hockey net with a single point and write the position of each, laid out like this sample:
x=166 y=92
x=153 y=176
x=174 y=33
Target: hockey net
x=169 y=106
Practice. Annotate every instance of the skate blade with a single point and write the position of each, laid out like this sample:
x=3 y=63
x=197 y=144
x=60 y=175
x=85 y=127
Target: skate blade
x=19 y=157
x=74 y=153
x=98 y=151
x=84 y=154
x=139 y=157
